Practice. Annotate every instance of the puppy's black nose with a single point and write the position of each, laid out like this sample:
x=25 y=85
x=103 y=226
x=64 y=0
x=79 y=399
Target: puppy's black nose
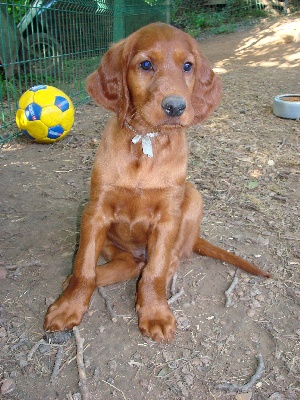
x=173 y=106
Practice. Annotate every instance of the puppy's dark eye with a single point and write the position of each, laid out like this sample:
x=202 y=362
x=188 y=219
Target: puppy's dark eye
x=146 y=65
x=187 y=67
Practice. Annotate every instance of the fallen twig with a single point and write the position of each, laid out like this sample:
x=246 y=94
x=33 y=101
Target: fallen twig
x=12 y=267
x=229 y=189
x=113 y=386
x=57 y=364
x=75 y=396
x=173 y=284
x=19 y=343
x=108 y=305
x=176 y=296
x=257 y=374
x=80 y=365
x=34 y=348
x=16 y=269
x=230 y=290
x=57 y=337
x=229 y=387
x=247 y=386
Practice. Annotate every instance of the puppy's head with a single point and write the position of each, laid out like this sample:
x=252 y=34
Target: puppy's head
x=158 y=77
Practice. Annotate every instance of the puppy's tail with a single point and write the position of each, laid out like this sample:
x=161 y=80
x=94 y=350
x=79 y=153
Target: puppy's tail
x=207 y=249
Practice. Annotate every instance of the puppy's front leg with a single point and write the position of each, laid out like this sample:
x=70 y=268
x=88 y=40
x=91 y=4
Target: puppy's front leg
x=67 y=311
x=155 y=317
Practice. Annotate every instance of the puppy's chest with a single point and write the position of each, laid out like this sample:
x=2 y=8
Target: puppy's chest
x=135 y=213
x=128 y=204
x=140 y=175
x=124 y=164
x=140 y=206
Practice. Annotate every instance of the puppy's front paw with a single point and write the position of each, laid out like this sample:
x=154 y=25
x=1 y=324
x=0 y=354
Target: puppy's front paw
x=63 y=314
x=157 y=322
x=67 y=311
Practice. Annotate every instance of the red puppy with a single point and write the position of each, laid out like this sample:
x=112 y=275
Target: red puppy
x=143 y=216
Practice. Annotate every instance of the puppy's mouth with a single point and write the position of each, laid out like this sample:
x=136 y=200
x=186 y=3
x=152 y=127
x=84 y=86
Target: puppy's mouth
x=162 y=124
x=169 y=128
x=172 y=124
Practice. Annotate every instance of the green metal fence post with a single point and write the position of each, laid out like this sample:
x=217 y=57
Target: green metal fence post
x=168 y=8
x=119 y=25
x=9 y=41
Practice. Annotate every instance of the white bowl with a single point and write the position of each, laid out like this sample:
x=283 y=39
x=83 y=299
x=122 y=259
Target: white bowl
x=287 y=106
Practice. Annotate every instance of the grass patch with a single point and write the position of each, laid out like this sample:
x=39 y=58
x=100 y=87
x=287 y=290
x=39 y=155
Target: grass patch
x=215 y=21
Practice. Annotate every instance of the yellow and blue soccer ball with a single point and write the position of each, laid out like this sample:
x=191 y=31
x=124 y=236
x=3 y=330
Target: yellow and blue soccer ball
x=45 y=114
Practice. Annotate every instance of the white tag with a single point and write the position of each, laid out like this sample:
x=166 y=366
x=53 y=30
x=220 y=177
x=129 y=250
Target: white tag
x=136 y=139
x=146 y=143
x=147 y=146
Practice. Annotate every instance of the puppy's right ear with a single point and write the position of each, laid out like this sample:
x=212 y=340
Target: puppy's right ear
x=108 y=84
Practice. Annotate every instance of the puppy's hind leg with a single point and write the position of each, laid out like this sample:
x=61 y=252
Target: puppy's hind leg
x=189 y=227
x=121 y=266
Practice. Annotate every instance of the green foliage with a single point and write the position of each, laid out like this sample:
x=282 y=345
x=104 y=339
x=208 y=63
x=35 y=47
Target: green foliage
x=18 y=9
x=8 y=89
x=224 y=18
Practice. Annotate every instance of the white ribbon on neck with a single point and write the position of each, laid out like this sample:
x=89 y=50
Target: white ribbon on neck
x=146 y=142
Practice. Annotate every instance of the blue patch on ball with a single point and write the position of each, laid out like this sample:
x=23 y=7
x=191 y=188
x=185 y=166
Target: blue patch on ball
x=55 y=132
x=62 y=103
x=33 y=112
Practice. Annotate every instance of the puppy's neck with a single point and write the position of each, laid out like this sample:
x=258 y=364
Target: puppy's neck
x=144 y=138
x=140 y=133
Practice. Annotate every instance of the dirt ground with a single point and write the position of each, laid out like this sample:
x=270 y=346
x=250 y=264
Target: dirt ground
x=245 y=161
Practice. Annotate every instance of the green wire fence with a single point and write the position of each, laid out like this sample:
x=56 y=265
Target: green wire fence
x=59 y=42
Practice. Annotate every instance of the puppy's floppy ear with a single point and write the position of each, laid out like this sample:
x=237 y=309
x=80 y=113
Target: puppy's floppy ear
x=207 y=90
x=108 y=84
